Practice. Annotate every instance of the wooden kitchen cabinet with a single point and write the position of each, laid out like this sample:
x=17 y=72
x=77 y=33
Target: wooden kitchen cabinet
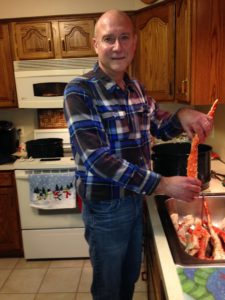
x=183 y=46
x=53 y=39
x=180 y=53
x=7 y=82
x=33 y=40
x=200 y=47
x=155 y=286
x=76 y=38
x=10 y=231
x=154 y=61
x=208 y=48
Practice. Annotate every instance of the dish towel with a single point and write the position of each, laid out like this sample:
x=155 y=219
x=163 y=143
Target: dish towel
x=52 y=190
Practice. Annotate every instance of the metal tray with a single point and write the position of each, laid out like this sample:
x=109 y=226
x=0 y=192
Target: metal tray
x=166 y=206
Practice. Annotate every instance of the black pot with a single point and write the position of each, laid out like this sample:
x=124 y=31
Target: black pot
x=170 y=159
x=9 y=139
x=50 y=147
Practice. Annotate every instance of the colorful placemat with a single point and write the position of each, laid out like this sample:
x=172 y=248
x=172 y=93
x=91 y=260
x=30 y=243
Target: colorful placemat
x=203 y=283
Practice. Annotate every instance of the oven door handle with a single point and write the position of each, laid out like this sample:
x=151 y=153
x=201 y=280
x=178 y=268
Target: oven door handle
x=21 y=174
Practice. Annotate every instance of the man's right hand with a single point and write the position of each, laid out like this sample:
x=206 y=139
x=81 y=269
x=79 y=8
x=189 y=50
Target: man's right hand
x=179 y=187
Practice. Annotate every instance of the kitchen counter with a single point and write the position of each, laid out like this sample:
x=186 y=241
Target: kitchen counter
x=35 y=163
x=168 y=269
x=7 y=167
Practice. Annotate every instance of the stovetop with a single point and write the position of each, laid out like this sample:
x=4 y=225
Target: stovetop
x=44 y=163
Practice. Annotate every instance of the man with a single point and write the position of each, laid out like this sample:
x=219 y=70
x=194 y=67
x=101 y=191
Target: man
x=110 y=120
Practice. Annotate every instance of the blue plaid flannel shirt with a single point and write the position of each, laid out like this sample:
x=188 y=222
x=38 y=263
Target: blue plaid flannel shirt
x=110 y=131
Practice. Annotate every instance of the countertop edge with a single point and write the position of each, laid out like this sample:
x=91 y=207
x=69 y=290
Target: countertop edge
x=168 y=269
x=7 y=167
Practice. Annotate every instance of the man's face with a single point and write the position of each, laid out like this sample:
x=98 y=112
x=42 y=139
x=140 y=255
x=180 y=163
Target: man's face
x=115 y=44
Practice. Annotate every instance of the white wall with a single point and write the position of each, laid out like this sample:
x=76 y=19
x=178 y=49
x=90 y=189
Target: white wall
x=217 y=138
x=32 y=8
x=25 y=119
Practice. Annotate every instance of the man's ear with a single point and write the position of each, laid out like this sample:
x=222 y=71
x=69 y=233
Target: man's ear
x=135 y=40
x=95 y=45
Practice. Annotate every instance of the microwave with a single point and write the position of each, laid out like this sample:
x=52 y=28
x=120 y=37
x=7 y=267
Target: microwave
x=41 y=83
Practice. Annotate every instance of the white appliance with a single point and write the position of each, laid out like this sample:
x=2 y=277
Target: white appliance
x=41 y=83
x=48 y=233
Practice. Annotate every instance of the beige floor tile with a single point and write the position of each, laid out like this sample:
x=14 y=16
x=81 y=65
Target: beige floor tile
x=56 y=296
x=61 y=280
x=87 y=263
x=8 y=263
x=70 y=263
x=86 y=279
x=32 y=264
x=23 y=281
x=84 y=296
x=4 y=274
x=17 y=296
x=140 y=296
x=140 y=286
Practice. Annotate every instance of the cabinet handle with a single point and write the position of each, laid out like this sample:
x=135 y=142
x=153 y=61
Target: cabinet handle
x=184 y=87
x=49 y=45
x=63 y=45
x=170 y=88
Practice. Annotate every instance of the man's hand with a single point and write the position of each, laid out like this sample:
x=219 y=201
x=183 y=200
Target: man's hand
x=179 y=187
x=194 y=121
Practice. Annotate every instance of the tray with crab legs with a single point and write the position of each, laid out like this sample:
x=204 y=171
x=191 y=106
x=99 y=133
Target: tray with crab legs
x=195 y=231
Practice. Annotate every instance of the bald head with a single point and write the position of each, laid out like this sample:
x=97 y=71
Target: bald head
x=113 y=16
x=114 y=43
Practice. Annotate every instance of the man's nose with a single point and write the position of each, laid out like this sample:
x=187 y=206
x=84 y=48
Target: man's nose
x=117 y=45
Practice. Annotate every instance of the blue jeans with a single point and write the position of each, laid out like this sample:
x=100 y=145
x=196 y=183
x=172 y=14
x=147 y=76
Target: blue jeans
x=113 y=230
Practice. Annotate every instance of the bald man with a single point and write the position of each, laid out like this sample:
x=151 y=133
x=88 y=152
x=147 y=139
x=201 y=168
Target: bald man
x=111 y=120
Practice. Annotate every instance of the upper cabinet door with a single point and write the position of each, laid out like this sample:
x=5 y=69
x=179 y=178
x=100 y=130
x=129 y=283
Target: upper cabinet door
x=208 y=51
x=182 y=82
x=34 y=40
x=154 y=61
x=7 y=81
x=76 y=38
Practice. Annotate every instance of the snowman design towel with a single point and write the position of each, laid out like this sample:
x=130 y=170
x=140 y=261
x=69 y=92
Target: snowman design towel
x=52 y=190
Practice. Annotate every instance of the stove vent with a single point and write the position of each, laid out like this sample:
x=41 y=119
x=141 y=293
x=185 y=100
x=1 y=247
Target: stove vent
x=55 y=64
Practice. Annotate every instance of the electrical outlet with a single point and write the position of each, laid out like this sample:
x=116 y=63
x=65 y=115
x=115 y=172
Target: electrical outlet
x=212 y=134
x=21 y=131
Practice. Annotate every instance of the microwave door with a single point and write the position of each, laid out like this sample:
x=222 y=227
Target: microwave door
x=41 y=91
x=49 y=89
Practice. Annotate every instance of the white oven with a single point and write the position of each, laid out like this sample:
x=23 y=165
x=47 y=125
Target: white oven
x=41 y=83
x=48 y=232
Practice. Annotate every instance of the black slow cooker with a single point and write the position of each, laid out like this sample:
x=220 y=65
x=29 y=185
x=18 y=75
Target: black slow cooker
x=8 y=138
x=9 y=141
x=170 y=159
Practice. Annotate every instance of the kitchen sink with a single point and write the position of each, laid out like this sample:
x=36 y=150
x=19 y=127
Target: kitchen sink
x=167 y=206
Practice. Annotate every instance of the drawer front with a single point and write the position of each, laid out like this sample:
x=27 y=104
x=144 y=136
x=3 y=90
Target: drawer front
x=6 y=179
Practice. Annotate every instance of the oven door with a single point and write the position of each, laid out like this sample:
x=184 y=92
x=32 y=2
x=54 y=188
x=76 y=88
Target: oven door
x=34 y=218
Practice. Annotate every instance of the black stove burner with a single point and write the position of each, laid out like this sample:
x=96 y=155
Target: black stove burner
x=50 y=159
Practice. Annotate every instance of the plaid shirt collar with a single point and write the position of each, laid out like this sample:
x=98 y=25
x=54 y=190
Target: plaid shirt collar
x=108 y=83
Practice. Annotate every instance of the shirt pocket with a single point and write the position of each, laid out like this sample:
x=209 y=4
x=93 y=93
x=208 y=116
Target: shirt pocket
x=142 y=116
x=116 y=124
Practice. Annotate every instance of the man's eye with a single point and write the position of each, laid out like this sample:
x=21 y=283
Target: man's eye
x=124 y=37
x=109 y=39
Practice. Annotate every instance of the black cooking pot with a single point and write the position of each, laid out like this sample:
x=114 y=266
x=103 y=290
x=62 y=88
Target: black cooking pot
x=49 y=147
x=170 y=159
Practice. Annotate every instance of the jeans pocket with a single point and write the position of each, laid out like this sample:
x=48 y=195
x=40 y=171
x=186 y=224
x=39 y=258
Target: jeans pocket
x=104 y=207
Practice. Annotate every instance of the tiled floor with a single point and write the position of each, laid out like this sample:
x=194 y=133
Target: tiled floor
x=50 y=280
